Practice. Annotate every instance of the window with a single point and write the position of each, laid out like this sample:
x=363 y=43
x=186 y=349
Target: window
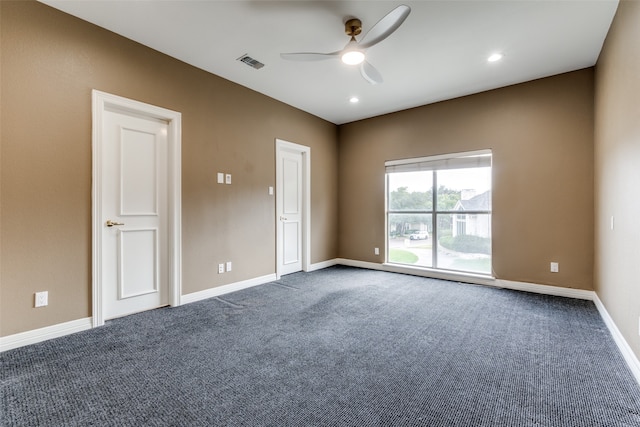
x=439 y=212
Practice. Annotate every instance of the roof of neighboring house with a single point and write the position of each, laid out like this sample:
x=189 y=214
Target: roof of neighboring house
x=481 y=202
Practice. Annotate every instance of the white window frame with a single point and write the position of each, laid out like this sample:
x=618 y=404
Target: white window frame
x=469 y=159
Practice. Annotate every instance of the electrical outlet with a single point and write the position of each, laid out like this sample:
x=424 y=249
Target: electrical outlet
x=555 y=267
x=228 y=265
x=42 y=299
x=227 y=178
x=376 y=251
x=220 y=268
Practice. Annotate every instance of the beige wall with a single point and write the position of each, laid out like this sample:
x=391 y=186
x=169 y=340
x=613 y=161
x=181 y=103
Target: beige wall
x=50 y=63
x=617 y=172
x=541 y=134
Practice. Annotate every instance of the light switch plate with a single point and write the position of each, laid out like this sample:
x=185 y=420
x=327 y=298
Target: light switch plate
x=220 y=178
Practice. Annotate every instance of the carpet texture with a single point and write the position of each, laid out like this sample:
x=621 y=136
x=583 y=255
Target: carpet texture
x=336 y=347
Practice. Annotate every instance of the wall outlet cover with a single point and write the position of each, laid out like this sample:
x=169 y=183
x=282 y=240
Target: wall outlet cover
x=42 y=299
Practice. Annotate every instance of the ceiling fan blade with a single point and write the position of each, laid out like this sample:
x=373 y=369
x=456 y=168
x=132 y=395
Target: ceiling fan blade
x=308 y=56
x=385 y=27
x=370 y=73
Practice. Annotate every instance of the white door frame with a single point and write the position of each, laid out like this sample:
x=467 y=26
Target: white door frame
x=306 y=204
x=102 y=101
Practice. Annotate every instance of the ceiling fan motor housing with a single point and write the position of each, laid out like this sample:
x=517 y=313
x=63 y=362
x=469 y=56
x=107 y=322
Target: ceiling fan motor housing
x=353 y=27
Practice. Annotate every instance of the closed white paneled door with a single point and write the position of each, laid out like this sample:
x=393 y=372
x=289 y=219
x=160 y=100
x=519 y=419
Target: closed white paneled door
x=292 y=201
x=134 y=213
x=291 y=216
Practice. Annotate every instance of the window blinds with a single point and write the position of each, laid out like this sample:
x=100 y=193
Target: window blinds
x=471 y=159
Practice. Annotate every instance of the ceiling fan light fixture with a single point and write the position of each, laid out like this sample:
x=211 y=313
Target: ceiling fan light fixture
x=354 y=52
x=353 y=57
x=351 y=54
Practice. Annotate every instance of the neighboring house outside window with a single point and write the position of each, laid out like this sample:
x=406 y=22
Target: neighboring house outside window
x=473 y=224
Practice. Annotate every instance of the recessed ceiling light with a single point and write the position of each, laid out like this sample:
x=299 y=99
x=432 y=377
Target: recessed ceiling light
x=354 y=100
x=495 y=57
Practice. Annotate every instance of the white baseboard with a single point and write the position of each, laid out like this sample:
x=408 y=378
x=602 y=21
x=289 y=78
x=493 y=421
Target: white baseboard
x=225 y=289
x=419 y=271
x=473 y=278
x=42 y=334
x=557 y=291
x=359 y=264
x=54 y=331
x=625 y=349
x=323 y=264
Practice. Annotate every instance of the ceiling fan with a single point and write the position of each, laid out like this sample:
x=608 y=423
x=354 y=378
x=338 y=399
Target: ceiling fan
x=354 y=52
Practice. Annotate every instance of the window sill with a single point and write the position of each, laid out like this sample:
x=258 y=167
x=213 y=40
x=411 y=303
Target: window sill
x=456 y=276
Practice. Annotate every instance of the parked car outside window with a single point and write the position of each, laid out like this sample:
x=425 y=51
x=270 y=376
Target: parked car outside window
x=419 y=235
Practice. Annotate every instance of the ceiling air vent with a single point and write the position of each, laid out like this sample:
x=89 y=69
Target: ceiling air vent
x=251 y=62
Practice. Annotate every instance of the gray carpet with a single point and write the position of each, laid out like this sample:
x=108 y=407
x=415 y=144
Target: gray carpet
x=336 y=347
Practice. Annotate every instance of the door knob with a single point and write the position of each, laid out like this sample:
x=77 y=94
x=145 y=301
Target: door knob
x=112 y=223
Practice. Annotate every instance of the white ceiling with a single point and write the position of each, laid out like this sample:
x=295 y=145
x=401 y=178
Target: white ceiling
x=438 y=53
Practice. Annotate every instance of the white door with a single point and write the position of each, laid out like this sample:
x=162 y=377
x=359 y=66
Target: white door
x=291 y=212
x=134 y=213
x=292 y=207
